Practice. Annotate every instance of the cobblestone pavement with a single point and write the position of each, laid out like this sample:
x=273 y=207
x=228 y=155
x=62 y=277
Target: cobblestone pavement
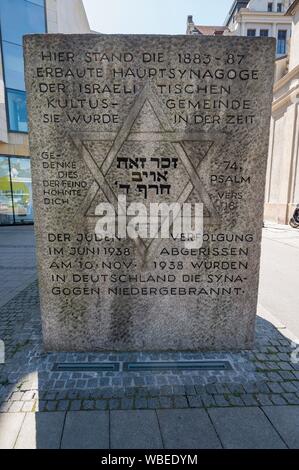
x=253 y=405
x=264 y=376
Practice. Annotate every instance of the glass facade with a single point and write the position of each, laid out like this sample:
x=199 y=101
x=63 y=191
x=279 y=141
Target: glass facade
x=15 y=191
x=18 y=17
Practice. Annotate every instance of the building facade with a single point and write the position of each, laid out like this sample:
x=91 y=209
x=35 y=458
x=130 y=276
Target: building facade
x=282 y=187
x=19 y=17
x=261 y=18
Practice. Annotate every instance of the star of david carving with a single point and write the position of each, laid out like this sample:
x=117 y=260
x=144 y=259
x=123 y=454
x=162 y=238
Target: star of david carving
x=99 y=165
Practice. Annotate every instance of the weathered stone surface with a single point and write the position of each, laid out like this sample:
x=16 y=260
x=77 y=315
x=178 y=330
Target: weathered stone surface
x=158 y=119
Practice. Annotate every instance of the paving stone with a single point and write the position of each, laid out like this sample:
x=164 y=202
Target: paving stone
x=51 y=405
x=194 y=401
x=152 y=403
x=251 y=387
x=88 y=404
x=249 y=399
x=63 y=405
x=289 y=387
x=275 y=387
x=180 y=402
x=28 y=406
x=166 y=402
x=86 y=430
x=75 y=405
x=235 y=400
x=41 y=405
x=287 y=375
x=142 y=403
x=245 y=428
x=220 y=400
x=50 y=395
x=291 y=398
x=11 y=423
x=274 y=377
x=285 y=419
x=285 y=366
x=143 y=429
x=101 y=404
x=263 y=399
x=114 y=404
x=29 y=395
x=187 y=429
x=190 y=390
x=41 y=431
x=211 y=389
x=262 y=387
x=278 y=400
x=16 y=396
x=236 y=388
x=207 y=400
x=16 y=406
x=4 y=407
x=127 y=403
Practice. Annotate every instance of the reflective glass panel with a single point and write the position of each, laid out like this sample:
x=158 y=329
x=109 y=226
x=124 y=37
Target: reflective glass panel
x=13 y=66
x=6 y=211
x=19 y=17
x=17 y=111
x=22 y=189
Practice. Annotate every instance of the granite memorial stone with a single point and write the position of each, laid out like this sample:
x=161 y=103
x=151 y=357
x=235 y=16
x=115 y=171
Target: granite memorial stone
x=121 y=119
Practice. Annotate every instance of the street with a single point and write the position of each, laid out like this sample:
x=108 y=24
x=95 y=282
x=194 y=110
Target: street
x=279 y=275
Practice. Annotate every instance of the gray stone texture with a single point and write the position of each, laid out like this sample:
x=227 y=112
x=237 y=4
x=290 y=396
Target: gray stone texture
x=187 y=429
x=245 y=428
x=10 y=425
x=137 y=429
x=41 y=431
x=286 y=420
x=86 y=430
x=146 y=88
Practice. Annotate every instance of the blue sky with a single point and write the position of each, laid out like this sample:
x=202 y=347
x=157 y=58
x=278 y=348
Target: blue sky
x=153 y=16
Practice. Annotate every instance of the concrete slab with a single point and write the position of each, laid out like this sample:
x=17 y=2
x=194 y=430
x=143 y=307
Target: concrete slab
x=41 y=431
x=245 y=428
x=286 y=420
x=10 y=425
x=86 y=430
x=135 y=429
x=187 y=429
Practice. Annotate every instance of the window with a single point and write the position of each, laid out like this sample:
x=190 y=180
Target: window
x=19 y=17
x=251 y=32
x=21 y=189
x=270 y=6
x=279 y=7
x=281 y=41
x=14 y=66
x=17 y=111
x=264 y=33
x=15 y=191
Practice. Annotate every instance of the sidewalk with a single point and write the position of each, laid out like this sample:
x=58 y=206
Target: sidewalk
x=17 y=260
x=253 y=405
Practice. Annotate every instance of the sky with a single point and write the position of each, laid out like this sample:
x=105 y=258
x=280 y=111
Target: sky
x=153 y=16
